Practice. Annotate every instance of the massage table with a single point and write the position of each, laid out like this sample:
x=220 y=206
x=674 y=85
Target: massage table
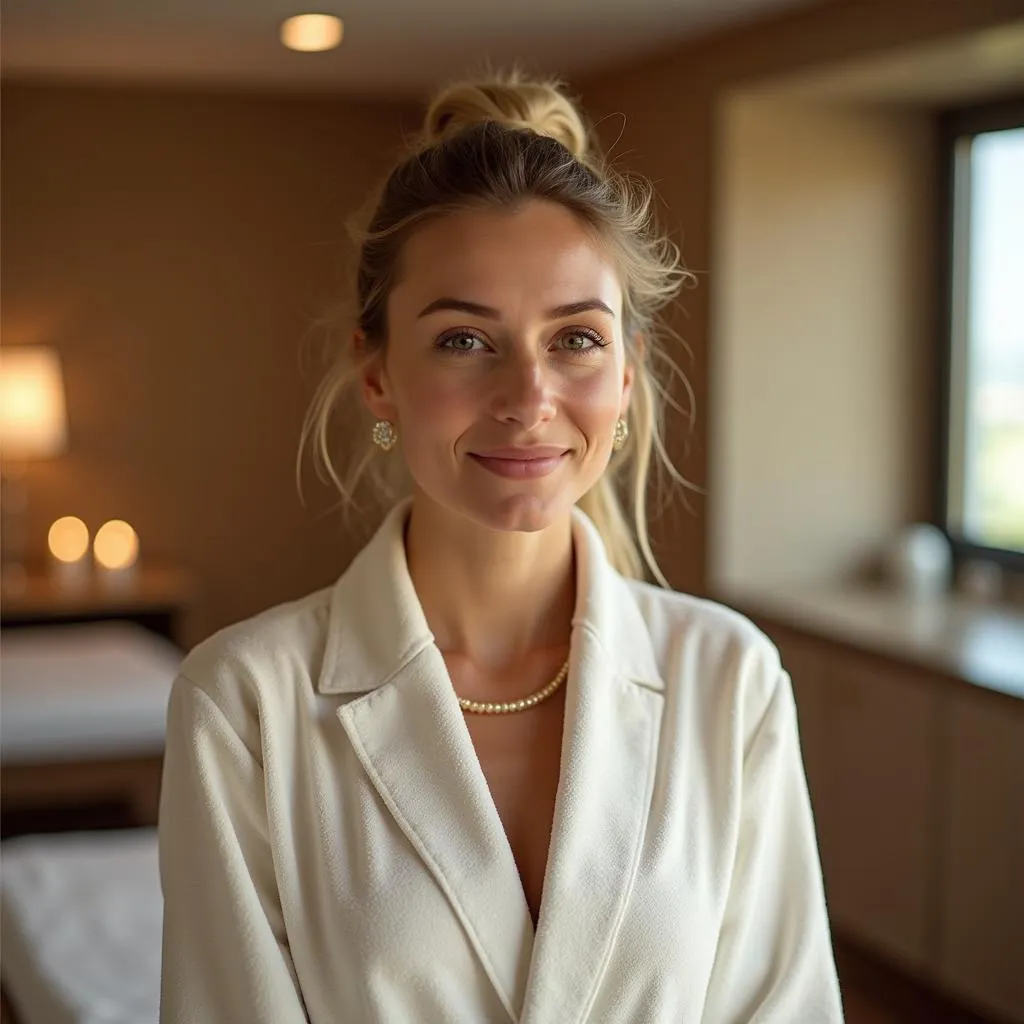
x=82 y=717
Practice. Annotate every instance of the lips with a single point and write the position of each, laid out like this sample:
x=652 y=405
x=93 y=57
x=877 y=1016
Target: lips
x=521 y=463
x=528 y=454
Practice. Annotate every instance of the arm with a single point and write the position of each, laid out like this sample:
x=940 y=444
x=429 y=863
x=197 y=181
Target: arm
x=774 y=962
x=225 y=954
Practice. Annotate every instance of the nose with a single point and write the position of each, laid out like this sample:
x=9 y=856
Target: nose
x=523 y=393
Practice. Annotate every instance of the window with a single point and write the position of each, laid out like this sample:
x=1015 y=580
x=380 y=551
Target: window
x=982 y=453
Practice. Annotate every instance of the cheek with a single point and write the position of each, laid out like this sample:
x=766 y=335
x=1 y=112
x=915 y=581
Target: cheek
x=436 y=405
x=594 y=400
x=425 y=396
x=435 y=409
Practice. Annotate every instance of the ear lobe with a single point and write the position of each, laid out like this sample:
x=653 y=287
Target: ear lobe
x=628 y=378
x=373 y=383
x=634 y=359
x=373 y=394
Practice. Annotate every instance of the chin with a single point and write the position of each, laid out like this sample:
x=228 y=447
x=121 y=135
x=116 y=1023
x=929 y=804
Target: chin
x=507 y=506
x=524 y=512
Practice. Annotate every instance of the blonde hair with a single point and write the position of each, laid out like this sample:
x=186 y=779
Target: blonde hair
x=495 y=143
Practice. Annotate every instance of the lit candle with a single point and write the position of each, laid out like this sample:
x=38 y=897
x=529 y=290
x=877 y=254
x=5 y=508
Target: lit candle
x=116 y=550
x=68 y=541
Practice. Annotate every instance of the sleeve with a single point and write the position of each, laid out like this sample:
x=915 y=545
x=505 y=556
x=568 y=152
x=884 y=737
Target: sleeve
x=225 y=954
x=774 y=962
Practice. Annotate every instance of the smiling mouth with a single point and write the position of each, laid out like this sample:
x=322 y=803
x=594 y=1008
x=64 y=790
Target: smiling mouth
x=523 y=465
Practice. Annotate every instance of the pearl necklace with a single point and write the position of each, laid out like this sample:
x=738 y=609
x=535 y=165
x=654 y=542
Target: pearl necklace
x=483 y=707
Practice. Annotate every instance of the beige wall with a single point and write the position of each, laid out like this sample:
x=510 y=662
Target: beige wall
x=175 y=248
x=822 y=373
x=669 y=103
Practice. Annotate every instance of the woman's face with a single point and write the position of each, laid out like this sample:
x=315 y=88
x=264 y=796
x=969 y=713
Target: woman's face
x=504 y=369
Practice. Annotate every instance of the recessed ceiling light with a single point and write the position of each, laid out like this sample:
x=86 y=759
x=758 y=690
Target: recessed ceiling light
x=311 y=33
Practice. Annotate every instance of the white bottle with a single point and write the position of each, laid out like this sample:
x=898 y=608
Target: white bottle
x=920 y=561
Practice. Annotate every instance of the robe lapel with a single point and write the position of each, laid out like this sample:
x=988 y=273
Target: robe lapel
x=608 y=760
x=412 y=739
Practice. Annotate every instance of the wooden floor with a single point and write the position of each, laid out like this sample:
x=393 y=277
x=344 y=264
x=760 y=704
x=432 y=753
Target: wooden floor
x=865 y=1008
x=873 y=993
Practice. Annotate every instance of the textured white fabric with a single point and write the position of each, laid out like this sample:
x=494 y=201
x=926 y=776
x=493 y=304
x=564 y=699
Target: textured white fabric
x=330 y=850
x=83 y=691
x=81 y=927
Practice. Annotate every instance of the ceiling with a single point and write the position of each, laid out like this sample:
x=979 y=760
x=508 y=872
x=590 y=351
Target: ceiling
x=969 y=67
x=391 y=47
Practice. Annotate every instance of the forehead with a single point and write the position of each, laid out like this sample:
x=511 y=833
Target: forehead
x=539 y=254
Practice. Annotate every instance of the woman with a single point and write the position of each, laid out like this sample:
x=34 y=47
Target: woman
x=490 y=775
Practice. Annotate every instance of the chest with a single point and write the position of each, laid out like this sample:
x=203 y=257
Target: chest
x=410 y=895
x=520 y=755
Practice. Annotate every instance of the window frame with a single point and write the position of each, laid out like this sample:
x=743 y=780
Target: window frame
x=952 y=126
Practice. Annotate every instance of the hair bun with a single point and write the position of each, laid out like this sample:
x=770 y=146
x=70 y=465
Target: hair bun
x=512 y=99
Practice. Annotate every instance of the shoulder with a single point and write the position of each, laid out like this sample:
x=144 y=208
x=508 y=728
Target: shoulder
x=262 y=659
x=713 y=651
x=672 y=616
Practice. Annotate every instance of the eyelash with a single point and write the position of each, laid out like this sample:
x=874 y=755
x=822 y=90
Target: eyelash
x=586 y=332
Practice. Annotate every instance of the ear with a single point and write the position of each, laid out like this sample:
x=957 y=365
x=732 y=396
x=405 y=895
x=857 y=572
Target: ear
x=629 y=375
x=634 y=359
x=373 y=380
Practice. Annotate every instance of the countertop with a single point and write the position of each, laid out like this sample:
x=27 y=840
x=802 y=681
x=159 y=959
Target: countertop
x=981 y=643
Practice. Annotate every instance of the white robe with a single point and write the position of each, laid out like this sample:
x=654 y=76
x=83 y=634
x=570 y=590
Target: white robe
x=330 y=851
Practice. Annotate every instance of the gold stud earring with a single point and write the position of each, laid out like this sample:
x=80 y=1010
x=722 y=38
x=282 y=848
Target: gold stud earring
x=385 y=434
x=620 y=435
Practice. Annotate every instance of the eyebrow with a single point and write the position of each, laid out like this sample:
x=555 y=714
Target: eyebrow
x=489 y=313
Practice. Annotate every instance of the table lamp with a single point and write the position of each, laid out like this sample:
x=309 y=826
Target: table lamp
x=33 y=425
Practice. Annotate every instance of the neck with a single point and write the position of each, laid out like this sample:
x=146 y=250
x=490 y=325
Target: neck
x=495 y=597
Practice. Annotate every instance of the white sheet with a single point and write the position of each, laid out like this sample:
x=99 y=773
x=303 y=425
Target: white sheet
x=84 y=691
x=81 y=927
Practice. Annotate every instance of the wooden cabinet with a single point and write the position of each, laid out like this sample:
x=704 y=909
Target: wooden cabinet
x=878 y=819
x=868 y=739
x=917 y=782
x=981 y=949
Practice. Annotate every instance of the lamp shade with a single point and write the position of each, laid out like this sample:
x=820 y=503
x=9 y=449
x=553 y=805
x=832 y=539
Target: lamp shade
x=33 y=420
